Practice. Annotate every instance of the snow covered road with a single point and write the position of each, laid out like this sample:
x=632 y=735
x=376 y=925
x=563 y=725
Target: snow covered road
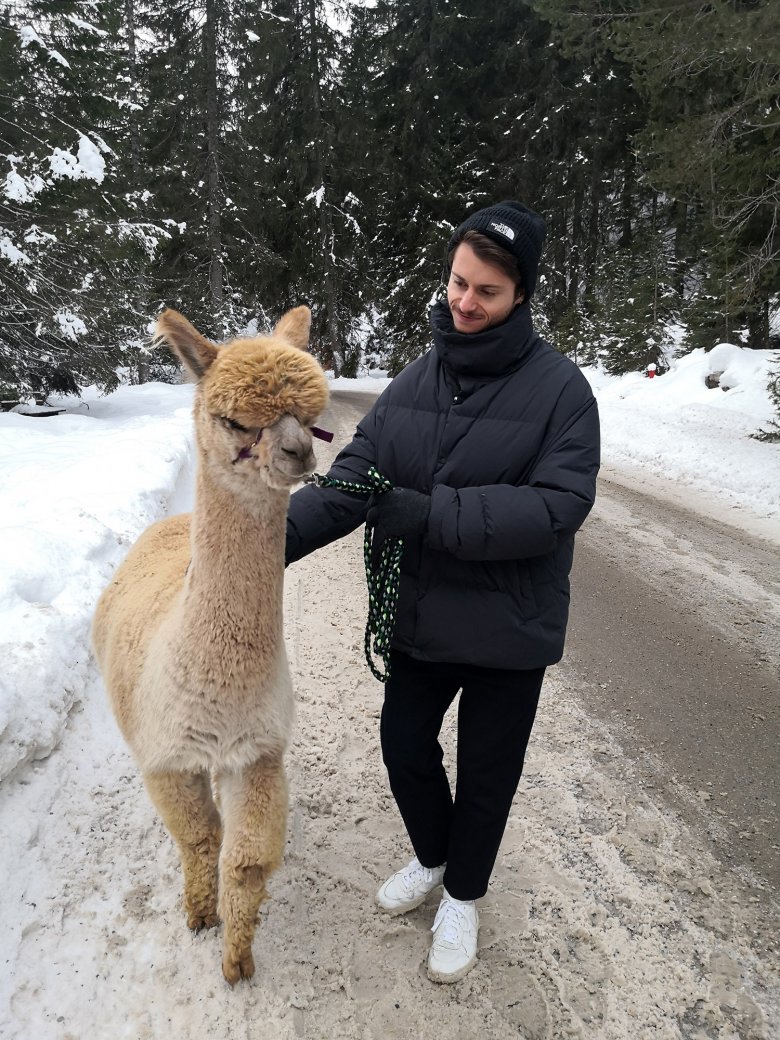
x=608 y=917
x=675 y=640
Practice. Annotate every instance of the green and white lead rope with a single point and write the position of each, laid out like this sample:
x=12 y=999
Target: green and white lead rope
x=382 y=581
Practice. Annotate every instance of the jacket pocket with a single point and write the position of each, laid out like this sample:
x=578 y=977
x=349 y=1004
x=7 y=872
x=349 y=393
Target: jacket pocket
x=513 y=579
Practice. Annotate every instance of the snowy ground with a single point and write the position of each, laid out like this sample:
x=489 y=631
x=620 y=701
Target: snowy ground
x=603 y=918
x=672 y=428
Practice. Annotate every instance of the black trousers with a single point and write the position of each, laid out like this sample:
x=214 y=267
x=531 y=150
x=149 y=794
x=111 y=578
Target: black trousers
x=495 y=716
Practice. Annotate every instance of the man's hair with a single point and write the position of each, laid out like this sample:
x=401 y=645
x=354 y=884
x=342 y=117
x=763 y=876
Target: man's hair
x=490 y=252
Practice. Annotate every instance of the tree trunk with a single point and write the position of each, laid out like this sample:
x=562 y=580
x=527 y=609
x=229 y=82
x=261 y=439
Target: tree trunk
x=142 y=368
x=680 y=246
x=323 y=210
x=135 y=133
x=576 y=243
x=592 y=245
x=216 y=266
x=556 y=268
x=627 y=199
x=758 y=326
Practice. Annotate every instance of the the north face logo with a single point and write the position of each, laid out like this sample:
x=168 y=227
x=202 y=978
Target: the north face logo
x=502 y=229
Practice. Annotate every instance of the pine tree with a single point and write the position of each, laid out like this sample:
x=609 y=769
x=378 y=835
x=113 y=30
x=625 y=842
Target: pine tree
x=69 y=242
x=182 y=148
x=708 y=75
x=434 y=79
x=773 y=386
x=298 y=196
x=713 y=73
x=237 y=160
x=468 y=106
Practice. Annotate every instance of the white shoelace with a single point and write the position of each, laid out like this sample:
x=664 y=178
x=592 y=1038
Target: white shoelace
x=451 y=915
x=418 y=873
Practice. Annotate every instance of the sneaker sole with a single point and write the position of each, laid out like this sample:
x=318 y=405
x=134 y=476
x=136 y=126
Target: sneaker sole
x=404 y=908
x=454 y=976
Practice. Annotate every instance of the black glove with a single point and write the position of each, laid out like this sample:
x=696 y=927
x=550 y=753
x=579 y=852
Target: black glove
x=398 y=513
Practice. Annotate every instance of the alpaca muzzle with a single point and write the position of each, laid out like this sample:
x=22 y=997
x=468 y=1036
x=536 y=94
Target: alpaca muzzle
x=246 y=453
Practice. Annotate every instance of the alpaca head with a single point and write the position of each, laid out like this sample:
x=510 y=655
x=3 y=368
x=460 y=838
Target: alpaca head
x=255 y=400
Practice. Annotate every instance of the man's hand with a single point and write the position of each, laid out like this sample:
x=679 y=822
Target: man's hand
x=398 y=513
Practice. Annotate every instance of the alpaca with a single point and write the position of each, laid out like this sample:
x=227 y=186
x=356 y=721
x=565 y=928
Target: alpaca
x=188 y=635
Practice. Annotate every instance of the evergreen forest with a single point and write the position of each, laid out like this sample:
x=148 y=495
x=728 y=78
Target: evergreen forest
x=233 y=159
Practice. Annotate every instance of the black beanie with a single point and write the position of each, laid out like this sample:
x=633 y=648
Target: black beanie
x=515 y=227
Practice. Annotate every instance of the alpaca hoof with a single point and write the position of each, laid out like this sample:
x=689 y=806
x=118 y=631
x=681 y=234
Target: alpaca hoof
x=235 y=968
x=197 y=922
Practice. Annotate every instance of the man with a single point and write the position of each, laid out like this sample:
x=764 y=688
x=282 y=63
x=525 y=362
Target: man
x=491 y=441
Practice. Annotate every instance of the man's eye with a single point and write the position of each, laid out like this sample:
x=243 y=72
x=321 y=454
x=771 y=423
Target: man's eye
x=233 y=424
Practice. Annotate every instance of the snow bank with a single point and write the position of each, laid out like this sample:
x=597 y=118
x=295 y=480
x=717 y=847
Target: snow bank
x=677 y=429
x=76 y=492
x=372 y=382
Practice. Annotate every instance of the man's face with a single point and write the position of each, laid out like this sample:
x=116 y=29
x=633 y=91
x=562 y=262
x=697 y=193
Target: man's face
x=479 y=294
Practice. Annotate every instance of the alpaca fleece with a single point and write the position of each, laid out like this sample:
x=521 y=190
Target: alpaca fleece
x=257 y=381
x=189 y=636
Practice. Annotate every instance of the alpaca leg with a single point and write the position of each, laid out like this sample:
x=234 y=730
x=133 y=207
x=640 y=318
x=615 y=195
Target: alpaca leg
x=187 y=808
x=254 y=812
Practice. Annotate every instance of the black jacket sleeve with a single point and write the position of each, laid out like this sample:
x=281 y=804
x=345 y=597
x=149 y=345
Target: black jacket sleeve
x=317 y=516
x=503 y=522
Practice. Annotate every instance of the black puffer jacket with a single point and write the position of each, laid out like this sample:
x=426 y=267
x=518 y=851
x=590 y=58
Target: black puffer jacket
x=502 y=431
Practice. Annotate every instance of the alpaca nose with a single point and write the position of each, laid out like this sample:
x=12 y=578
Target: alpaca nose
x=295 y=441
x=298 y=452
x=297 y=445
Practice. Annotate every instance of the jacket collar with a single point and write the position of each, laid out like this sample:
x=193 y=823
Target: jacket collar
x=494 y=352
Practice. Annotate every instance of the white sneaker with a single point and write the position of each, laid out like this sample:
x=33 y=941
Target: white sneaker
x=454 y=948
x=407 y=888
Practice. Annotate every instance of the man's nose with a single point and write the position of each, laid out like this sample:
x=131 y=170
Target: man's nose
x=467 y=300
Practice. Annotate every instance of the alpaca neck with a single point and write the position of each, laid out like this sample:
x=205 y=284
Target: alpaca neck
x=233 y=590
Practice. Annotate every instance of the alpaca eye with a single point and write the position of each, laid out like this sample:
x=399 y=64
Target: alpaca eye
x=233 y=424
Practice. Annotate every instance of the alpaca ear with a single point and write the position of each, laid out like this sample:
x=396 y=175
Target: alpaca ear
x=295 y=326
x=192 y=349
